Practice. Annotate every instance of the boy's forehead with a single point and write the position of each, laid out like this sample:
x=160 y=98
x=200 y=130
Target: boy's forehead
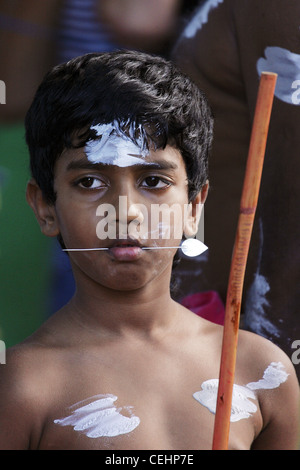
x=167 y=158
x=123 y=144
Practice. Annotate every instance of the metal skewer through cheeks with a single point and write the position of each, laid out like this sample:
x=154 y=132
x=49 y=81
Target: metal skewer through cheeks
x=191 y=247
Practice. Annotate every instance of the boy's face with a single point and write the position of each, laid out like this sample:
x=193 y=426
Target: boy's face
x=124 y=209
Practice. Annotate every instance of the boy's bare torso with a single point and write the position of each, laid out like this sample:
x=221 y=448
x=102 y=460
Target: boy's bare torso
x=141 y=387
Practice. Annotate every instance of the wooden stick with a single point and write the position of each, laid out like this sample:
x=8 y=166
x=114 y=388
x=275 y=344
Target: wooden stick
x=240 y=253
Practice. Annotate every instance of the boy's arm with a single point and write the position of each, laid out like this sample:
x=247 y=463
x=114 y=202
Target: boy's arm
x=14 y=429
x=279 y=406
x=18 y=411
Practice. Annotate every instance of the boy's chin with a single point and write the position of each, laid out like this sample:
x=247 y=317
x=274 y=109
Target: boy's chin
x=126 y=285
x=128 y=278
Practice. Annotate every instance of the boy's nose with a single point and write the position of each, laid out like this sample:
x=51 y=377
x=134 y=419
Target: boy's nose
x=129 y=211
x=130 y=218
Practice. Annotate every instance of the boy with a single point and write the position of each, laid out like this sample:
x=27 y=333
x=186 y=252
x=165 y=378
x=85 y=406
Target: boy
x=122 y=365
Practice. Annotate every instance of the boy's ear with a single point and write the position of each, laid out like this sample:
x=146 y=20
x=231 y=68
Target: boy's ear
x=44 y=212
x=194 y=212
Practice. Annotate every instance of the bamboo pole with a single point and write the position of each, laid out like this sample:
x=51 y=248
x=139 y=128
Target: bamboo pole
x=248 y=205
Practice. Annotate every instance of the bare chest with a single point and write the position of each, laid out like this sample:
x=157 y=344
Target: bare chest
x=159 y=411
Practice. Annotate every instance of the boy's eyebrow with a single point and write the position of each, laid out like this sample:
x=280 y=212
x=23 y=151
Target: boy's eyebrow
x=83 y=164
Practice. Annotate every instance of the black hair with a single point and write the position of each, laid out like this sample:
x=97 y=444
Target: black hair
x=141 y=89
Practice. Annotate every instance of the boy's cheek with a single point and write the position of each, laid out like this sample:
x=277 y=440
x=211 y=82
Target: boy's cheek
x=78 y=229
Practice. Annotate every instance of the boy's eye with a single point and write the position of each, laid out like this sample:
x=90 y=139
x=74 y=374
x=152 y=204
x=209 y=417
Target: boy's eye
x=89 y=182
x=155 y=182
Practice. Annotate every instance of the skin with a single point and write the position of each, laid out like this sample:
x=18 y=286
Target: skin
x=123 y=334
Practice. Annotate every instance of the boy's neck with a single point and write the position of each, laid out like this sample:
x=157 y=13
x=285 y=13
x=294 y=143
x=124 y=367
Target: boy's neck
x=145 y=311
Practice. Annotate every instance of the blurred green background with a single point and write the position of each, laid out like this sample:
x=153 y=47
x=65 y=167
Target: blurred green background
x=24 y=251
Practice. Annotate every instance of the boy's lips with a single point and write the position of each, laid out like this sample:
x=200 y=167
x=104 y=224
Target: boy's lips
x=126 y=250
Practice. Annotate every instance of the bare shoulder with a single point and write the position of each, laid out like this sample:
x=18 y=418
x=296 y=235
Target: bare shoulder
x=269 y=372
x=256 y=353
x=25 y=391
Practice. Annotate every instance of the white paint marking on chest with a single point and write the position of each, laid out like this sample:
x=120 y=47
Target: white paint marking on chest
x=242 y=407
x=100 y=418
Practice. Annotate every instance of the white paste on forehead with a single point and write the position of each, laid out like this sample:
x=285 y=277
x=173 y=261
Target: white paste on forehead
x=115 y=147
x=241 y=406
x=287 y=65
x=100 y=418
x=200 y=18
